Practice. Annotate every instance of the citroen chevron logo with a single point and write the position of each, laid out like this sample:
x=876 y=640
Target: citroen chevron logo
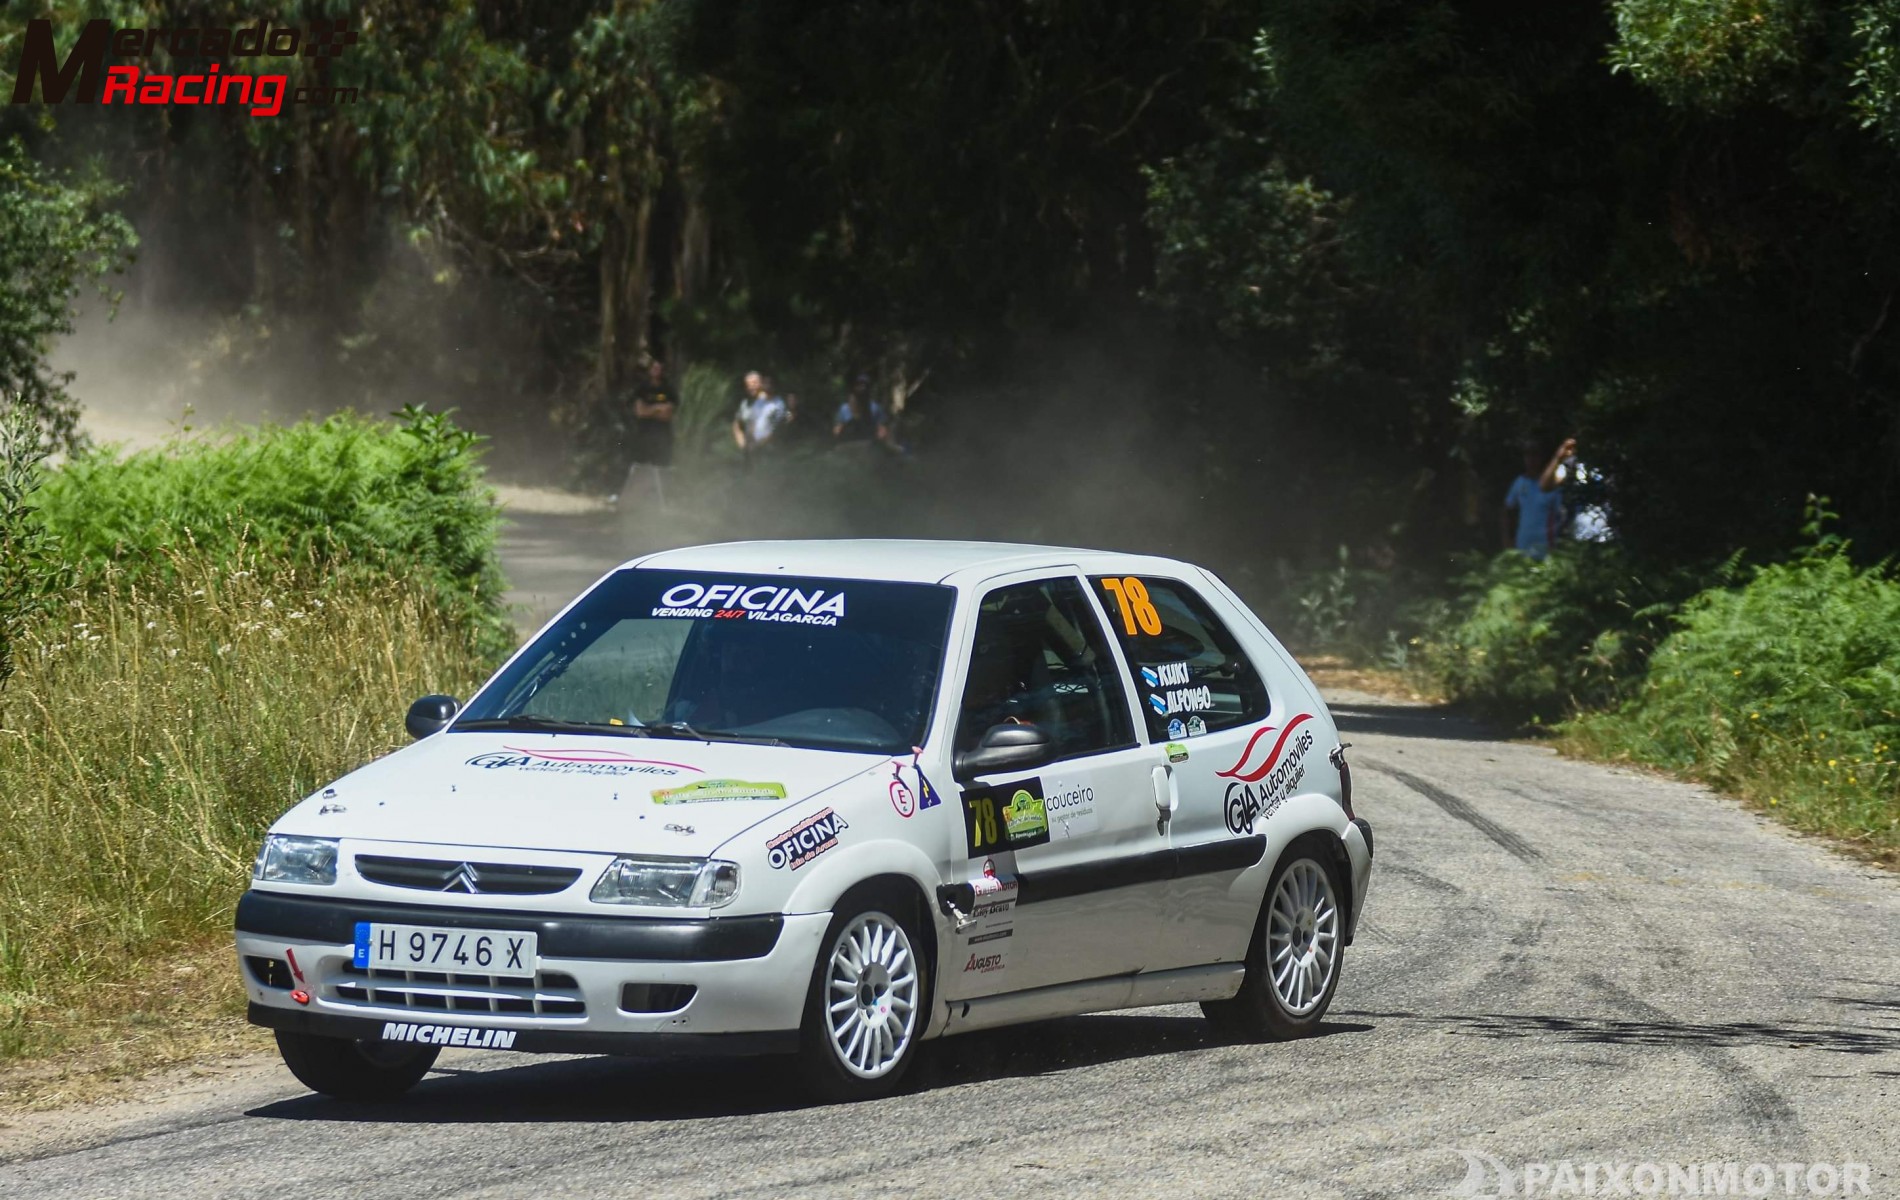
x=465 y=879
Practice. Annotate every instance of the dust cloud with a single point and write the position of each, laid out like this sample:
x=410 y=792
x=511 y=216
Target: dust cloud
x=1082 y=443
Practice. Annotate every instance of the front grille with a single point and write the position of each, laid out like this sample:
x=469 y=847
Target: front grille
x=482 y=879
x=550 y=994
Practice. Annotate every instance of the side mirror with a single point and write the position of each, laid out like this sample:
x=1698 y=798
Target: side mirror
x=1004 y=748
x=431 y=714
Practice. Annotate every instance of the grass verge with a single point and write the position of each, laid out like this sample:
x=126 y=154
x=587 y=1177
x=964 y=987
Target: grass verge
x=155 y=728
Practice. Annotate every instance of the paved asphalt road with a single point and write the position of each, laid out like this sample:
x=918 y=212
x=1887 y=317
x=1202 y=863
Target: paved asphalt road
x=1557 y=962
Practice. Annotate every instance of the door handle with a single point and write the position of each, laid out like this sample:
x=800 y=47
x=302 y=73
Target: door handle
x=1164 y=791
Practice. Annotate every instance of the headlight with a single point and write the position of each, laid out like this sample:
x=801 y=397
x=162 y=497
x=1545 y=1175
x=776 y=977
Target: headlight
x=674 y=882
x=285 y=859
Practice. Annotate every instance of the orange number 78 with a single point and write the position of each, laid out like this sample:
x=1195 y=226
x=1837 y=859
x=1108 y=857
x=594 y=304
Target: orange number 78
x=1131 y=600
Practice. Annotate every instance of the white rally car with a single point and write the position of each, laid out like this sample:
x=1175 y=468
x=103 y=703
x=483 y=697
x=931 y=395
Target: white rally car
x=824 y=798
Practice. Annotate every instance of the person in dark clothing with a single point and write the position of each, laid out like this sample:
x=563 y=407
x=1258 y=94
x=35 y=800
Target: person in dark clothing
x=654 y=406
x=860 y=418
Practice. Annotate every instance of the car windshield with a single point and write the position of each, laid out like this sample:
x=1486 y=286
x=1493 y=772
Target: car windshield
x=832 y=664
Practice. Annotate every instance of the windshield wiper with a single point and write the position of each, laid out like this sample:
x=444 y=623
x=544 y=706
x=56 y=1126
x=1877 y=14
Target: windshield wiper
x=680 y=729
x=522 y=723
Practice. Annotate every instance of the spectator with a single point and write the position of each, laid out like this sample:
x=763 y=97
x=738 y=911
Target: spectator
x=1539 y=504
x=654 y=406
x=759 y=417
x=793 y=427
x=860 y=417
x=1581 y=489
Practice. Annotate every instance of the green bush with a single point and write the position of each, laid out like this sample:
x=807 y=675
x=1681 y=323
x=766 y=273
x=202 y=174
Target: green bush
x=152 y=733
x=1786 y=691
x=1534 y=641
x=404 y=500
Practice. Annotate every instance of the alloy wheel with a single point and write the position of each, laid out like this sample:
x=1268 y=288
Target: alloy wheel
x=871 y=988
x=1302 y=937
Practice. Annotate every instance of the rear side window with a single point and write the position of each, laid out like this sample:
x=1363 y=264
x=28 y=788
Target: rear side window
x=1189 y=673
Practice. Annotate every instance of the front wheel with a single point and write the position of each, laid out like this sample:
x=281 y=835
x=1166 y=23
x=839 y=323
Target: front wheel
x=1293 y=963
x=354 y=1070
x=866 y=1004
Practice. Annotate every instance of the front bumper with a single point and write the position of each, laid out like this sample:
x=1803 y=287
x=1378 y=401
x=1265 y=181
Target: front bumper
x=532 y=1041
x=748 y=978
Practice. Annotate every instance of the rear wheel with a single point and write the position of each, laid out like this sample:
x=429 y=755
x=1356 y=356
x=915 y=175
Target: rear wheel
x=866 y=1006
x=1293 y=963
x=354 y=1070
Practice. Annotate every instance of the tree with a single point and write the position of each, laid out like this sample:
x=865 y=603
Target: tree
x=55 y=235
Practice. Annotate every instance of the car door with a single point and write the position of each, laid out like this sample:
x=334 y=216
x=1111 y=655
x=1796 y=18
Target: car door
x=1064 y=860
x=1208 y=719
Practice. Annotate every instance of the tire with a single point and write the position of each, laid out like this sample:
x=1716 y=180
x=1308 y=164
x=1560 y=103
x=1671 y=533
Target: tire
x=352 y=1070
x=874 y=970
x=1301 y=927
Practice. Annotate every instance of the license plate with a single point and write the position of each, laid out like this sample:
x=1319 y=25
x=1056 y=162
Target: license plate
x=460 y=951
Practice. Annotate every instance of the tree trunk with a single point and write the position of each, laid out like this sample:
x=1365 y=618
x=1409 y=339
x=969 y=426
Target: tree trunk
x=625 y=295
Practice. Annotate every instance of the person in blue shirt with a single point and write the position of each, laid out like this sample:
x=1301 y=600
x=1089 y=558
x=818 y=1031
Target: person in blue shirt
x=1537 y=497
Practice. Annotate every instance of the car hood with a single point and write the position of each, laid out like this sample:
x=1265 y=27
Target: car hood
x=570 y=792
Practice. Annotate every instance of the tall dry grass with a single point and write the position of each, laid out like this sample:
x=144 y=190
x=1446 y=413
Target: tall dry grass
x=152 y=733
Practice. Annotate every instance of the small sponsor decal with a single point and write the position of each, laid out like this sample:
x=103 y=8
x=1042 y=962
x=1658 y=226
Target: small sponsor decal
x=674 y=828
x=805 y=841
x=1177 y=728
x=983 y=964
x=1008 y=816
x=1252 y=798
x=1196 y=727
x=575 y=762
x=927 y=796
x=1241 y=771
x=764 y=602
x=1177 y=752
x=993 y=915
x=903 y=799
x=1025 y=817
x=449 y=1035
x=703 y=790
x=1070 y=806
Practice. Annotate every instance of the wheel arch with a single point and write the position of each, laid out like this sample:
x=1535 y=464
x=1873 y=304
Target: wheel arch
x=1316 y=820
x=880 y=868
